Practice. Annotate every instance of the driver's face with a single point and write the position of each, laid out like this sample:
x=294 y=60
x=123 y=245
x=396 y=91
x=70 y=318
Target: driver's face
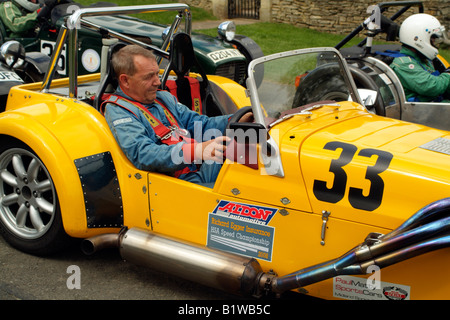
x=143 y=85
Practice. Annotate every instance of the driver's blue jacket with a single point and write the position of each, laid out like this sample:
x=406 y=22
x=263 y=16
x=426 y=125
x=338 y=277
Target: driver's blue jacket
x=144 y=149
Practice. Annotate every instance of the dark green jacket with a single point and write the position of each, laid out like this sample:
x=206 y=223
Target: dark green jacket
x=15 y=22
x=417 y=79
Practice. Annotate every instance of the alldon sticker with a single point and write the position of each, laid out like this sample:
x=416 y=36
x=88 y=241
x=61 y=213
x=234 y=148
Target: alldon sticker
x=243 y=211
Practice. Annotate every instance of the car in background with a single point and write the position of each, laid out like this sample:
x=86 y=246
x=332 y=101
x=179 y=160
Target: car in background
x=226 y=55
x=369 y=65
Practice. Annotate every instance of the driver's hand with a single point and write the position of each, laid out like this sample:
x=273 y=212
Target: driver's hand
x=211 y=150
x=248 y=117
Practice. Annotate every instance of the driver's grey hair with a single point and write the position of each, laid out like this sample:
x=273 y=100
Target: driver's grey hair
x=123 y=60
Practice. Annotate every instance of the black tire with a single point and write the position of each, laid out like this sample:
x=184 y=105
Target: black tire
x=30 y=215
x=323 y=83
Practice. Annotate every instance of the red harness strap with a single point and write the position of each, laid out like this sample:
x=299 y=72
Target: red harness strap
x=195 y=95
x=168 y=135
x=196 y=99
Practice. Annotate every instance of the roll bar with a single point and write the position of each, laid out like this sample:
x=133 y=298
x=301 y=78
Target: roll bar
x=75 y=21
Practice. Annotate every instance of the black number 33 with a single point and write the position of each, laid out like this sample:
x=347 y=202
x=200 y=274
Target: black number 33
x=355 y=195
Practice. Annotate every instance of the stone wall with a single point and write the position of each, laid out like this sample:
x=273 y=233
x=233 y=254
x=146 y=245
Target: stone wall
x=335 y=16
x=205 y=4
x=342 y=16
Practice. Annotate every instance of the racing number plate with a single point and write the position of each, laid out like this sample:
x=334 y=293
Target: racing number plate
x=357 y=199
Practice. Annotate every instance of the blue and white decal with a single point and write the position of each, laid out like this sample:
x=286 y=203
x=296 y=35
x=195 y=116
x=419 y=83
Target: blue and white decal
x=242 y=229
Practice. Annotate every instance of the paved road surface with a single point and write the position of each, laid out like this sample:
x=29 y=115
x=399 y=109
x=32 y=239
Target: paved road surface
x=102 y=276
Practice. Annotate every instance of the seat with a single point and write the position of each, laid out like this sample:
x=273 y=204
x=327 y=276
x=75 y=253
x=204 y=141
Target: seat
x=108 y=82
x=194 y=93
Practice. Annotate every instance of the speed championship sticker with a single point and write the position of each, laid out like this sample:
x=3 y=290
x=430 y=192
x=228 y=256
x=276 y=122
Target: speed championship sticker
x=242 y=229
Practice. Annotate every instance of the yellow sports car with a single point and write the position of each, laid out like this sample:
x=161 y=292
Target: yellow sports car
x=319 y=196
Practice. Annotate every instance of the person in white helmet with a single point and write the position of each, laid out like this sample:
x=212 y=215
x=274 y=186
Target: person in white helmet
x=19 y=17
x=420 y=35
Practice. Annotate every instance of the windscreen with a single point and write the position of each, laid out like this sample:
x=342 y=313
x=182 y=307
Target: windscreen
x=291 y=83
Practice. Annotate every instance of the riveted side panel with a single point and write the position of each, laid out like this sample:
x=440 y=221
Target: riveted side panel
x=101 y=191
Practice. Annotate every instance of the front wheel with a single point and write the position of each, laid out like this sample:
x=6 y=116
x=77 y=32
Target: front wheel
x=30 y=216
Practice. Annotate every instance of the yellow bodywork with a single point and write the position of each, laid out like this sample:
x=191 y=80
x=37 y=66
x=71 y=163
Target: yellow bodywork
x=61 y=130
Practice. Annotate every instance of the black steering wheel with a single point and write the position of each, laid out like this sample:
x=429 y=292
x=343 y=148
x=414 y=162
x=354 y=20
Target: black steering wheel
x=238 y=115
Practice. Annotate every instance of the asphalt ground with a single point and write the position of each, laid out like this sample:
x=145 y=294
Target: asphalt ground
x=102 y=276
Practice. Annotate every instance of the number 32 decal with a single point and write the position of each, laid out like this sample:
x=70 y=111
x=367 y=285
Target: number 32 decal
x=355 y=195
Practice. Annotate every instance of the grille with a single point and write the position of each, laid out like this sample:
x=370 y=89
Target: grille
x=233 y=70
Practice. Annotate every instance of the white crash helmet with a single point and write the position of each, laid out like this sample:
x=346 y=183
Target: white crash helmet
x=418 y=30
x=28 y=5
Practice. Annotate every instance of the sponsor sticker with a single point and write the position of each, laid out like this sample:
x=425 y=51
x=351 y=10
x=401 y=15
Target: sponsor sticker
x=242 y=229
x=355 y=288
x=248 y=212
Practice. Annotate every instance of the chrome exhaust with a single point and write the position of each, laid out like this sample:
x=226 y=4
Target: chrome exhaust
x=424 y=232
x=428 y=213
x=225 y=271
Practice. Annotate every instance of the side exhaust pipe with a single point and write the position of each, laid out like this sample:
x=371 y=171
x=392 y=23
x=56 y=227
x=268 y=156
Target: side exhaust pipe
x=213 y=268
x=100 y=242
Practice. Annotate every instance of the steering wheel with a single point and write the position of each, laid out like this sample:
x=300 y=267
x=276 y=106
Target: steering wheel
x=238 y=115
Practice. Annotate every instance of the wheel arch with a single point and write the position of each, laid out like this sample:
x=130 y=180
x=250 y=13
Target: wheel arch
x=46 y=142
x=58 y=164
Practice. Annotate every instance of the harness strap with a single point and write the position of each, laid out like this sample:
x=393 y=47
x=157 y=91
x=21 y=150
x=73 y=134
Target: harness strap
x=194 y=84
x=195 y=95
x=167 y=135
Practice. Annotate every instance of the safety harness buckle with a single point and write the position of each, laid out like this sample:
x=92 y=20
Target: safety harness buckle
x=168 y=134
x=175 y=132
